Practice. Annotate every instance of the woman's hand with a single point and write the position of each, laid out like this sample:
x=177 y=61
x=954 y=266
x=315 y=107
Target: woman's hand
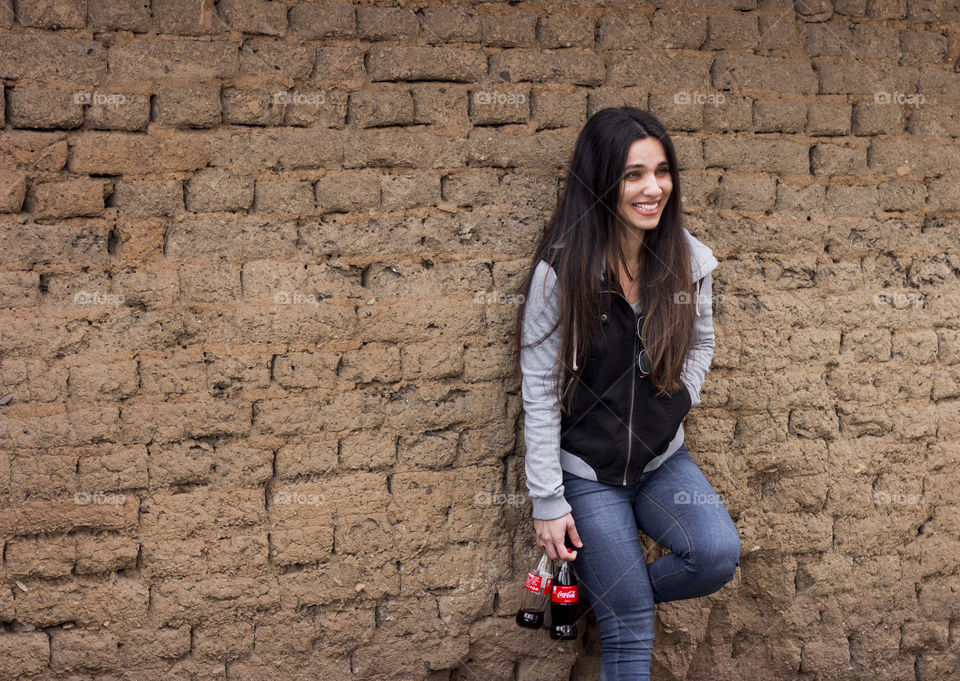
x=551 y=533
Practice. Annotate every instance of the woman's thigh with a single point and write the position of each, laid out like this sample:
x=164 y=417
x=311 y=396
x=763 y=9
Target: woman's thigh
x=610 y=565
x=678 y=508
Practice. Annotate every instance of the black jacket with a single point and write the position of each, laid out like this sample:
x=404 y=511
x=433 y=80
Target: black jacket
x=617 y=423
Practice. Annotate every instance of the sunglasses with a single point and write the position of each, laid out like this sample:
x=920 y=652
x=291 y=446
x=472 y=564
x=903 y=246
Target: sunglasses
x=643 y=360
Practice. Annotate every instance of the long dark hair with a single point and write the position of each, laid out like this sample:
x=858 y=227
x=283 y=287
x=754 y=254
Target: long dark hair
x=586 y=223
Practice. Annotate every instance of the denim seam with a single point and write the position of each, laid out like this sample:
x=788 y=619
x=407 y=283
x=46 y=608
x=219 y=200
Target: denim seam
x=682 y=528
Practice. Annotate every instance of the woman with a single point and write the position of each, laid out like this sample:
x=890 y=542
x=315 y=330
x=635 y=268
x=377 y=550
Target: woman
x=615 y=341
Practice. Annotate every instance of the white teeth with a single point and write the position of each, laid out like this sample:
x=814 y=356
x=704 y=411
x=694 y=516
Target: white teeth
x=646 y=206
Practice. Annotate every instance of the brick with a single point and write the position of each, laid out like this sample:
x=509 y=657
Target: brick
x=145 y=198
x=368 y=450
x=660 y=72
x=194 y=106
x=373 y=108
x=108 y=15
x=335 y=20
x=551 y=110
x=68 y=199
x=491 y=147
x=35 y=151
x=233 y=238
x=19 y=289
x=402 y=148
x=372 y=362
x=121 y=153
x=117 y=111
x=860 y=79
x=80 y=241
x=565 y=30
x=41 y=108
x=67 y=14
x=95 y=382
x=504 y=104
x=728 y=114
x=449 y=24
x=872 y=118
x=272 y=58
x=120 y=468
x=851 y=200
x=410 y=190
x=250 y=106
x=173 y=59
x=386 y=23
x=50 y=58
x=752 y=73
x=731 y=32
x=898 y=155
x=255 y=16
x=13 y=190
x=778 y=34
x=105 y=553
x=513 y=30
x=939 y=120
x=678 y=30
x=901 y=195
x=215 y=190
x=623 y=31
x=284 y=198
x=23 y=654
x=833 y=159
x=139 y=646
x=936 y=10
x=81 y=649
x=825 y=119
x=40 y=557
x=746 y=192
x=187 y=17
x=339 y=63
x=287 y=148
x=313 y=107
x=922 y=48
x=439 y=103
x=677 y=112
x=759 y=155
x=426 y=63
x=779 y=115
x=348 y=191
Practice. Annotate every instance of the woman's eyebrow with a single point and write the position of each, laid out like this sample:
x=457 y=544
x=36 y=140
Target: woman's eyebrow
x=640 y=165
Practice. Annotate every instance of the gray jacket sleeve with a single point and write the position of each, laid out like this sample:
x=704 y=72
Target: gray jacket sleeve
x=541 y=424
x=698 y=359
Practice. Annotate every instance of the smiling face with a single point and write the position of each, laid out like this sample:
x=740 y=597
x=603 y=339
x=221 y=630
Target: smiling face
x=645 y=187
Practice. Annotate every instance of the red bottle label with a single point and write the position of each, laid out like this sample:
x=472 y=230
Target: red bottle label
x=533 y=582
x=564 y=594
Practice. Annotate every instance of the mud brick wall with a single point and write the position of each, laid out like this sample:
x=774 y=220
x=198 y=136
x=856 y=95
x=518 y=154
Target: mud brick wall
x=259 y=263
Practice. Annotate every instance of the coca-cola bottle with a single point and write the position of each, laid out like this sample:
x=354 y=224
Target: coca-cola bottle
x=536 y=592
x=563 y=603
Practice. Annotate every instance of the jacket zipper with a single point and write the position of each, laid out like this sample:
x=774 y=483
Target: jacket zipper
x=633 y=393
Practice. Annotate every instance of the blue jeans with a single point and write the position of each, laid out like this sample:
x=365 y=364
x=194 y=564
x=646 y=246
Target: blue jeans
x=675 y=506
